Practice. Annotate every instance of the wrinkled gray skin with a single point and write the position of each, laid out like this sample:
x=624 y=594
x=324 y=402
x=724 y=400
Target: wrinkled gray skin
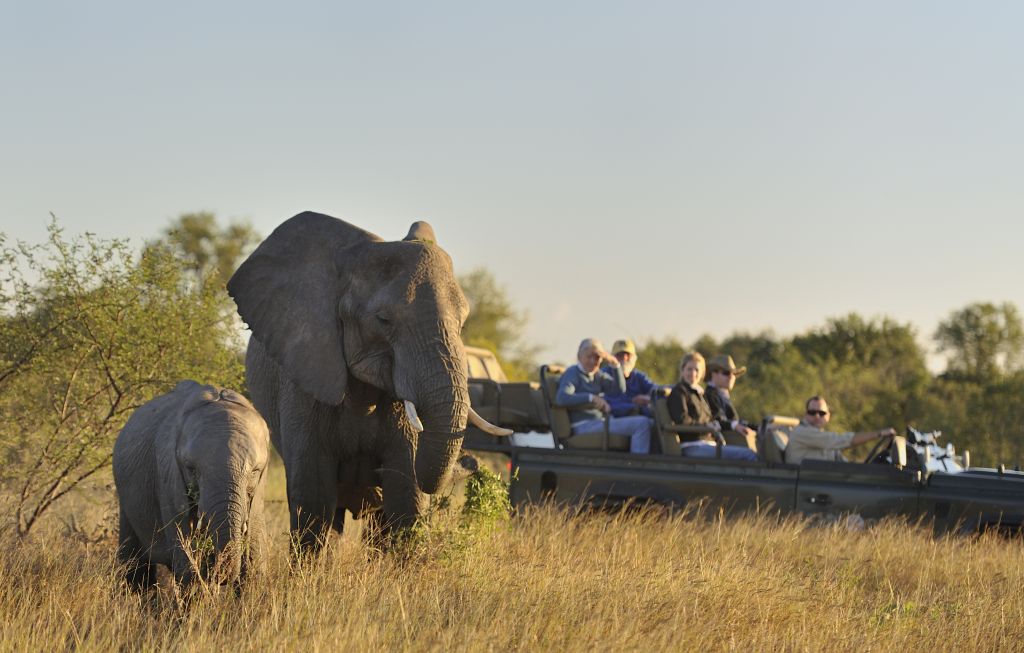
x=195 y=453
x=345 y=327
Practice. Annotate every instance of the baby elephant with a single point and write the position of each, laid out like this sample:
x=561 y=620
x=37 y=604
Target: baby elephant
x=190 y=467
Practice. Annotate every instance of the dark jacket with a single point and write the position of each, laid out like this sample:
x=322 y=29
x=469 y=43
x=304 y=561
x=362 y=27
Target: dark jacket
x=722 y=410
x=688 y=406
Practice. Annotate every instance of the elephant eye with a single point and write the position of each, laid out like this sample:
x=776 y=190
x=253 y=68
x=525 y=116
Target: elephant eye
x=254 y=479
x=383 y=320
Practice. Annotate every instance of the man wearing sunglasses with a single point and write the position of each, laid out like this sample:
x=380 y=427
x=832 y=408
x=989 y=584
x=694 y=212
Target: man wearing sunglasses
x=810 y=440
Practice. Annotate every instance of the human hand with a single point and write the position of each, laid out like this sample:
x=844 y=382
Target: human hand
x=608 y=358
x=642 y=400
x=601 y=404
x=887 y=433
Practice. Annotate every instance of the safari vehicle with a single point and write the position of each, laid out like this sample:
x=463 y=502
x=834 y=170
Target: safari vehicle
x=910 y=476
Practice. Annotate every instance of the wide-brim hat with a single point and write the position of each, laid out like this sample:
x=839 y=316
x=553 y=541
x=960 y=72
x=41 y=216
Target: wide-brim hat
x=723 y=363
x=624 y=345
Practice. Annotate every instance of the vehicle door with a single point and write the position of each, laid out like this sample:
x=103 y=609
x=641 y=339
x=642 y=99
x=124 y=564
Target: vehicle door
x=600 y=478
x=974 y=500
x=870 y=490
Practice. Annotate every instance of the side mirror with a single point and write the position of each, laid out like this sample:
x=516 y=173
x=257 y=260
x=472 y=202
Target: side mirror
x=898 y=451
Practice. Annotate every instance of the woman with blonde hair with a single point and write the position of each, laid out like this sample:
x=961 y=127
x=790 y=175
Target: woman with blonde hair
x=688 y=407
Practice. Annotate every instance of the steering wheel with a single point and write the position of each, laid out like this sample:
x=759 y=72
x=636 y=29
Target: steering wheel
x=878 y=450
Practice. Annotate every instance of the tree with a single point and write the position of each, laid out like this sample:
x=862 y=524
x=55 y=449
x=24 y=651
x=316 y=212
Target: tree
x=660 y=359
x=983 y=340
x=88 y=333
x=495 y=324
x=874 y=371
x=207 y=248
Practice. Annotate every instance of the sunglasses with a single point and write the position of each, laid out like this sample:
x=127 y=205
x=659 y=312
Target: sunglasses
x=724 y=372
x=819 y=413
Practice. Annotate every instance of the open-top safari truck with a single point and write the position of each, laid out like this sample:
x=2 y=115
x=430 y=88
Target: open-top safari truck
x=912 y=476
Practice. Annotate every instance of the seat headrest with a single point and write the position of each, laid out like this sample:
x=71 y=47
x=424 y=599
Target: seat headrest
x=551 y=375
x=780 y=420
x=781 y=439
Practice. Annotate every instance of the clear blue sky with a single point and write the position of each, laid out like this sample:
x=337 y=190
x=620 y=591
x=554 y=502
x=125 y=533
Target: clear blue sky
x=641 y=168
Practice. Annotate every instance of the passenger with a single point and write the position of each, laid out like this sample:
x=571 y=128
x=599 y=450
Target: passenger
x=810 y=441
x=687 y=406
x=723 y=377
x=637 y=397
x=580 y=390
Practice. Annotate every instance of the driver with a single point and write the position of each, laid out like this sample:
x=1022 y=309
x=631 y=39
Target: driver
x=810 y=441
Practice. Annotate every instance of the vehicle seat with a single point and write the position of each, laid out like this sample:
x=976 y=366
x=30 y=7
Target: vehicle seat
x=773 y=437
x=513 y=405
x=670 y=434
x=561 y=427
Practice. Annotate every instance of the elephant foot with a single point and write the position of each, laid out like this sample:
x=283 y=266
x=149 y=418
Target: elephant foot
x=338 y=523
x=140 y=576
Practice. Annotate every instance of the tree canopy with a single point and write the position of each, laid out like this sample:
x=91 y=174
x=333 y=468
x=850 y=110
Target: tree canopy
x=207 y=248
x=494 y=324
x=982 y=340
x=89 y=332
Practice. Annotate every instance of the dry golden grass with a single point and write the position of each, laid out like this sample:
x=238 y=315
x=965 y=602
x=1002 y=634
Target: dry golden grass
x=635 y=581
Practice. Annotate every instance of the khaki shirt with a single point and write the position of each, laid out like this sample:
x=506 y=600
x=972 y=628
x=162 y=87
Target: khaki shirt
x=810 y=443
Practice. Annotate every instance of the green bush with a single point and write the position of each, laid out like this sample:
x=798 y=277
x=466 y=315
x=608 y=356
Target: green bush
x=487 y=504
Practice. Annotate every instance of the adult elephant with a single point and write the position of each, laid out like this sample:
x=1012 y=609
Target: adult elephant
x=357 y=364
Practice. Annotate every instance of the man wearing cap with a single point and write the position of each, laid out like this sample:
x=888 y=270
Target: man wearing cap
x=637 y=397
x=723 y=374
x=810 y=440
x=581 y=388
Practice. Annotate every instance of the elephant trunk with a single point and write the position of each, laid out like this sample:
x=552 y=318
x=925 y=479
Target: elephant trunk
x=444 y=424
x=226 y=517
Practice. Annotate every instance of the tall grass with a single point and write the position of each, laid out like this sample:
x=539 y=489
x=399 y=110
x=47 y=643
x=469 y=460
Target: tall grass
x=548 y=581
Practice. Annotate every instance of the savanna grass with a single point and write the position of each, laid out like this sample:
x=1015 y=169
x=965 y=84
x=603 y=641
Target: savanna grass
x=545 y=580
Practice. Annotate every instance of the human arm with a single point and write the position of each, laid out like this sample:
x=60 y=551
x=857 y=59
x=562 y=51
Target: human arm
x=620 y=404
x=868 y=436
x=613 y=381
x=676 y=406
x=814 y=438
x=642 y=388
x=571 y=390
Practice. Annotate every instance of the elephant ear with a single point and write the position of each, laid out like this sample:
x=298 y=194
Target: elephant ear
x=287 y=291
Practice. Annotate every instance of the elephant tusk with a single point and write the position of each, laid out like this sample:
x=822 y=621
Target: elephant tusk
x=414 y=419
x=486 y=426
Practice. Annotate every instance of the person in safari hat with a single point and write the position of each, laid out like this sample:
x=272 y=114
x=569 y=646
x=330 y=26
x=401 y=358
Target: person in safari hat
x=688 y=407
x=637 y=397
x=722 y=373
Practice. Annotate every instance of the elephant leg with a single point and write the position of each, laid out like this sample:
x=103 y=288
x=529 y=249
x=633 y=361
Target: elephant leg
x=182 y=566
x=312 y=499
x=338 y=521
x=139 y=572
x=403 y=501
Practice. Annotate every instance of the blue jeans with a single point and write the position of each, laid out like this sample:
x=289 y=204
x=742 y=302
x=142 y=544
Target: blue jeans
x=704 y=449
x=636 y=427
